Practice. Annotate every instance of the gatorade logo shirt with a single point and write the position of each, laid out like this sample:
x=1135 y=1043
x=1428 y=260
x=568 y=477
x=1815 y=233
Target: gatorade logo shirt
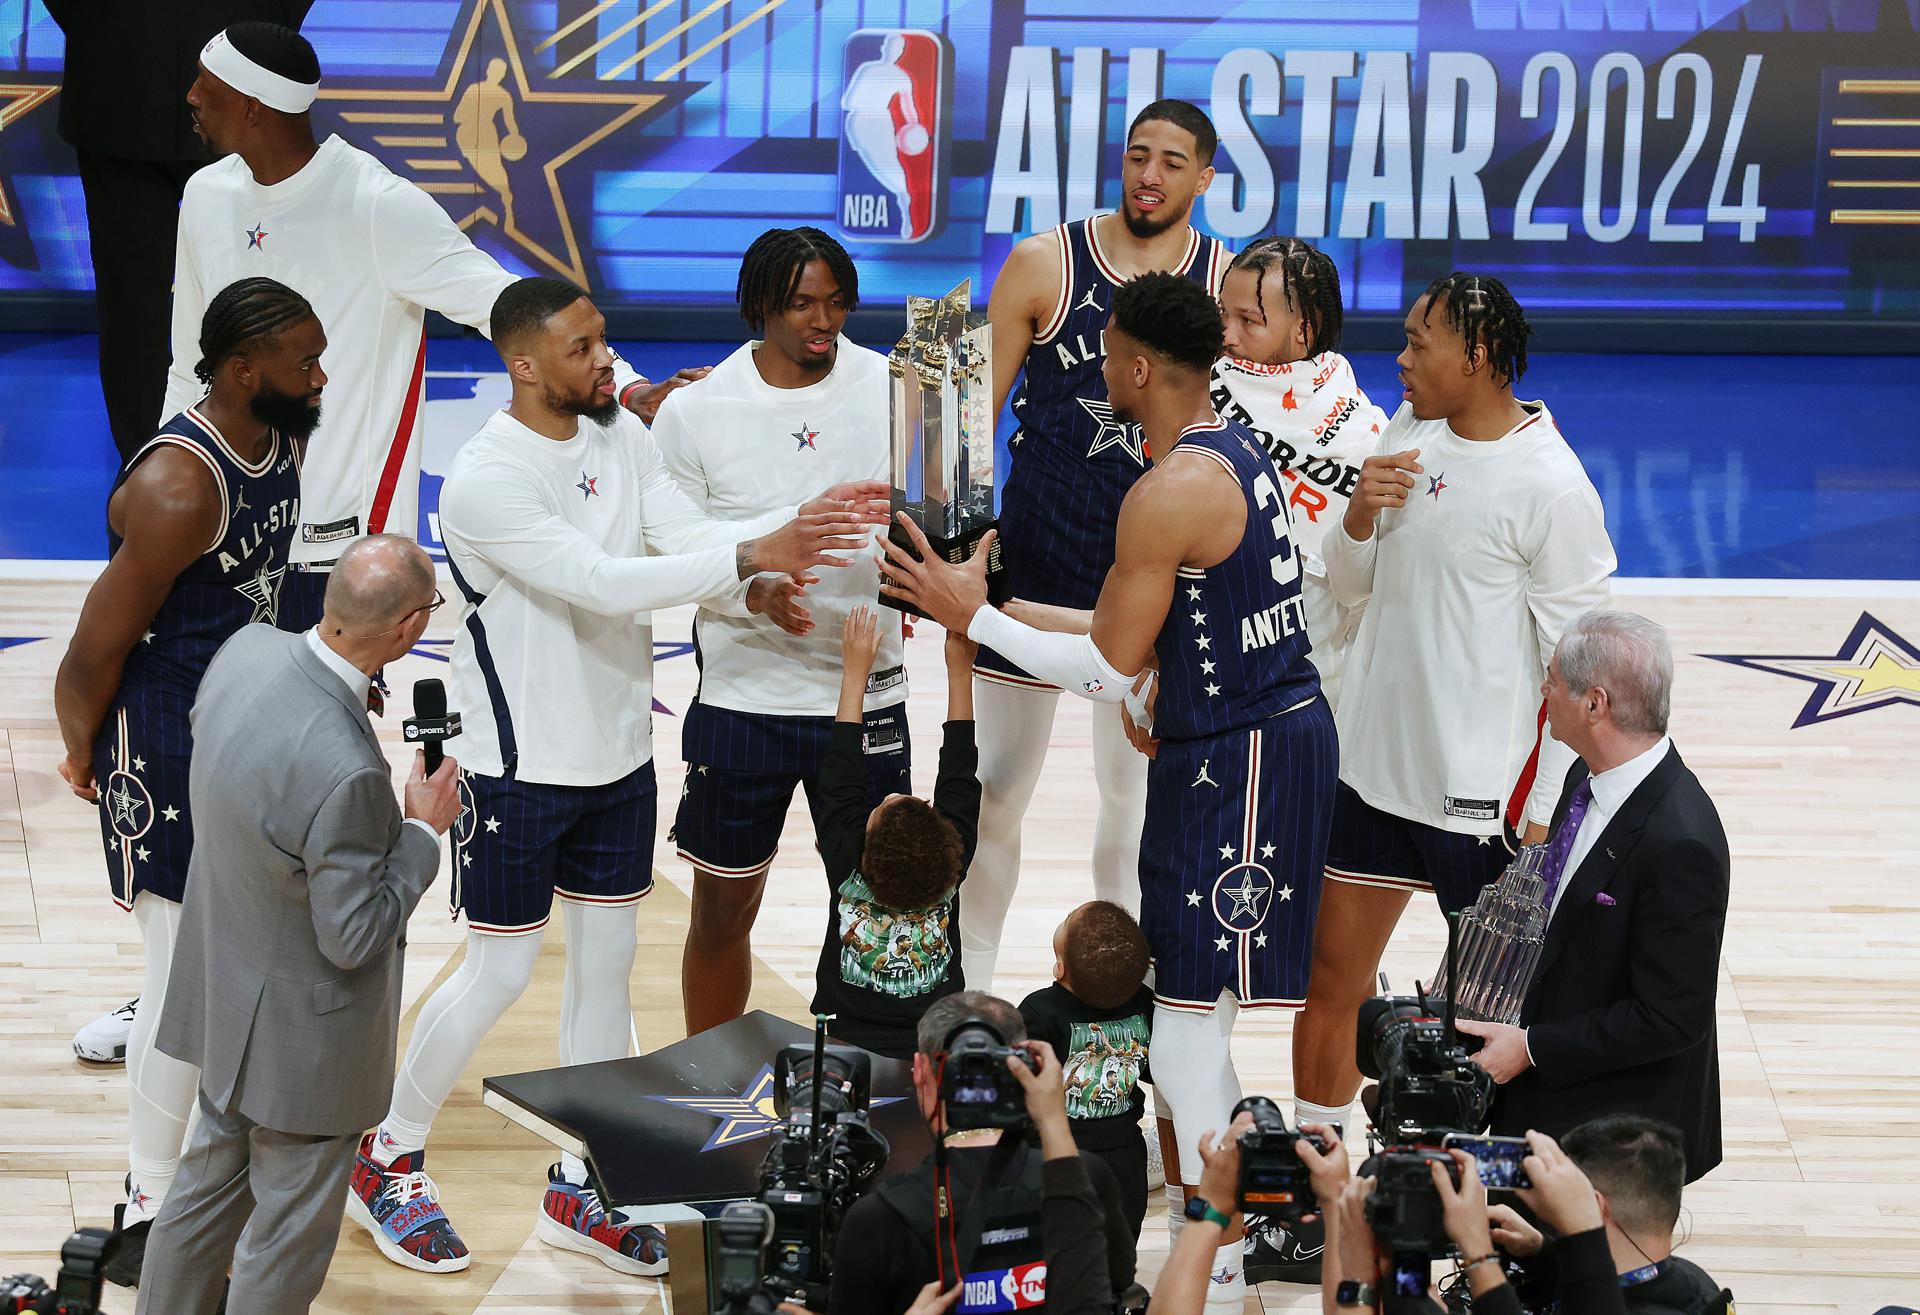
x=1021 y=1288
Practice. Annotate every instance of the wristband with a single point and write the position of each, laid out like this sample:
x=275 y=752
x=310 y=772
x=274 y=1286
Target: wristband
x=628 y=391
x=1489 y=1258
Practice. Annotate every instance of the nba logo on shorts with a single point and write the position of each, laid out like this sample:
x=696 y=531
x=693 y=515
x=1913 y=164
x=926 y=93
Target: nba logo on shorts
x=896 y=85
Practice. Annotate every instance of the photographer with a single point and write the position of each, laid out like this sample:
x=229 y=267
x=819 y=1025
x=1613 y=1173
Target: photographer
x=1355 y=1275
x=1612 y=1193
x=1020 y=1211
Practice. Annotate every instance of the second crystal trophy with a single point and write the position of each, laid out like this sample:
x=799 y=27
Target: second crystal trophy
x=1500 y=941
x=942 y=417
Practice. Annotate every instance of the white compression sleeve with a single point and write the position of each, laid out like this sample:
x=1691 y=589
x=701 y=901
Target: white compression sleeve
x=1012 y=727
x=596 y=1007
x=160 y=1089
x=1073 y=662
x=1194 y=1079
x=452 y=1024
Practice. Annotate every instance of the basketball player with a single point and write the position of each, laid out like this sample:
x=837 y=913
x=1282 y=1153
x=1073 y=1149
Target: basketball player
x=198 y=527
x=797 y=408
x=1205 y=583
x=1473 y=540
x=375 y=252
x=549 y=512
x=1283 y=377
x=1073 y=462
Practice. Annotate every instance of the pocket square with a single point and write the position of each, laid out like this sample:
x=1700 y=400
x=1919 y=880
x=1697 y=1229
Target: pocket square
x=1605 y=900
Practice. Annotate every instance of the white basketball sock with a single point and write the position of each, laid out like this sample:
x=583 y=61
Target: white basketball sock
x=160 y=1089
x=1305 y=1111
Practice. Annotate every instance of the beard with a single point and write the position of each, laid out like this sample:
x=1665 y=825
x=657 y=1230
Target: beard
x=285 y=412
x=1146 y=226
x=603 y=411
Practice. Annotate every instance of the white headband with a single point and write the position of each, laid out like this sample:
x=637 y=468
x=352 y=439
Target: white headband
x=249 y=79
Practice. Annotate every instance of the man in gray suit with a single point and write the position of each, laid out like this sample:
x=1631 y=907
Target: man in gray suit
x=285 y=989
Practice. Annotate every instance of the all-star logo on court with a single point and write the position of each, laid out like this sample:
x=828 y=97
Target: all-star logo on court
x=492 y=139
x=1874 y=668
x=746 y=1114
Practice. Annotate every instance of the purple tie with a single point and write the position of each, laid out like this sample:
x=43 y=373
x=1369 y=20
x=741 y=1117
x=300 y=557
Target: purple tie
x=1562 y=843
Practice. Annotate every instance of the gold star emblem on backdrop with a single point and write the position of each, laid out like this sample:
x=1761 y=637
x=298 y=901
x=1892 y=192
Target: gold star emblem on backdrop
x=470 y=136
x=17 y=100
x=1874 y=668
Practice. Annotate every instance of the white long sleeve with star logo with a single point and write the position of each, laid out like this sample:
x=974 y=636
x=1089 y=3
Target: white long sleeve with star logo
x=1467 y=589
x=740 y=447
x=373 y=254
x=553 y=661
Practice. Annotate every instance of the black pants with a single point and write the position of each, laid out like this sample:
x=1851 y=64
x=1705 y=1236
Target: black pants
x=1129 y=1164
x=133 y=216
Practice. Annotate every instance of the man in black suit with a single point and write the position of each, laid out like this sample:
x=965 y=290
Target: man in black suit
x=1620 y=1016
x=123 y=108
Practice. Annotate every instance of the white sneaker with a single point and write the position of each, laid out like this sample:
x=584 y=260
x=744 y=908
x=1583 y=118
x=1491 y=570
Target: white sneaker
x=104 y=1040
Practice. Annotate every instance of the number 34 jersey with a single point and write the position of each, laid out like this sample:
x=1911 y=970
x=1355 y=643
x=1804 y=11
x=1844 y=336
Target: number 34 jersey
x=1233 y=650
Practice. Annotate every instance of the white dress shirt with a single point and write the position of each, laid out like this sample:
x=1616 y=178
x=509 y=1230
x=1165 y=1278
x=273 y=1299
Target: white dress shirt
x=1611 y=789
x=357 y=683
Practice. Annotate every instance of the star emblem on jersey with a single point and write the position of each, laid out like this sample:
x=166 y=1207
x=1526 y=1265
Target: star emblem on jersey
x=1874 y=667
x=1241 y=897
x=806 y=437
x=170 y=813
x=263 y=591
x=129 y=805
x=589 y=486
x=1114 y=433
x=745 y=1114
x=494 y=133
x=257 y=238
x=463 y=824
x=1436 y=483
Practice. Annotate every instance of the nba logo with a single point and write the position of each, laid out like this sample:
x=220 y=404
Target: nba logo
x=892 y=139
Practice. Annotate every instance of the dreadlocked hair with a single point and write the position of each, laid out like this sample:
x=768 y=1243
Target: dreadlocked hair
x=1173 y=316
x=1308 y=280
x=245 y=312
x=772 y=267
x=1486 y=315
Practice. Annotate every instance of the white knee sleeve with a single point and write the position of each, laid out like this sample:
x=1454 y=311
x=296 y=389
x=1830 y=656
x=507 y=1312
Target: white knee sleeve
x=1120 y=775
x=160 y=1089
x=1012 y=727
x=452 y=1024
x=1193 y=1075
x=596 y=1009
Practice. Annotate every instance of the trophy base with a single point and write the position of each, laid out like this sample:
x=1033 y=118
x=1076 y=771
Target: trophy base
x=957 y=550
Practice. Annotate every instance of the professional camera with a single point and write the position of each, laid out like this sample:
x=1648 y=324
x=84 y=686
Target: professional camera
x=824 y=1153
x=76 y=1291
x=1275 y=1182
x=975 y=1084
x=1428 y=1088
x=739 y=1263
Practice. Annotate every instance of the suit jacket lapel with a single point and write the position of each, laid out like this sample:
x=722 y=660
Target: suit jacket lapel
x=317 y=672
x=1610 y=850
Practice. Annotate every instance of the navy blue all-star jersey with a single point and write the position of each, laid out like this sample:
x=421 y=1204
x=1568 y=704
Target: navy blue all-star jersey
x=140 y=759
x=1072 y=462
x=1240 y=796
x=1233 y=649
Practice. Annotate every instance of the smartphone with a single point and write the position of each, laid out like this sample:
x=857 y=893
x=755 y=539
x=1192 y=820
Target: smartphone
x=1500 y=1159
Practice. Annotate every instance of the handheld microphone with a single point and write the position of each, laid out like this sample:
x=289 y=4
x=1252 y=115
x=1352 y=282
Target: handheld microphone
x=431 y=724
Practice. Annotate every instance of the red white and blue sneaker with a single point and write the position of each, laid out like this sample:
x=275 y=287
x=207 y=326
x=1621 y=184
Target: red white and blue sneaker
x=399 y=1205
x=572 y=1217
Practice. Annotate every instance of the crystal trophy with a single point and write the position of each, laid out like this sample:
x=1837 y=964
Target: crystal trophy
x=1499 y=942
x=942 y=420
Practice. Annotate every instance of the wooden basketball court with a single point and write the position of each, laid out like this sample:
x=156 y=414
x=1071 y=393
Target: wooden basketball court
x=1817 y=1208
